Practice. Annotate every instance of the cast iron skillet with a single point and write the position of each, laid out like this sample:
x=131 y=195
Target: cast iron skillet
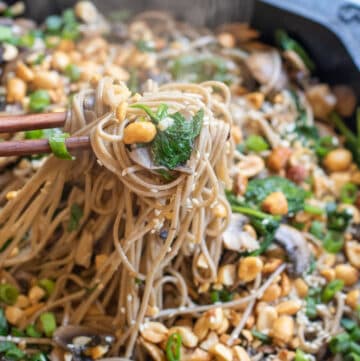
x=329 y=29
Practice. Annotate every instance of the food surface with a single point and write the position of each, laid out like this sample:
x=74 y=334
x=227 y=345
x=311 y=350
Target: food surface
x=216 y=217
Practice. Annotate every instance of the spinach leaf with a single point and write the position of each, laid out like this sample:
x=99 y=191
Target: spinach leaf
x=173 y=145
x=259 y=189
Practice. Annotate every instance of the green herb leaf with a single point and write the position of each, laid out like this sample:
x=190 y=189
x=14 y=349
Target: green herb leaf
x=173 y=347
x=47 y=285
x=348 y=193
x=337 y=220
x=348 y=324
x=39 y=100
x=31 y=331
x=311 y=209
x=325 y=145
x=340 y=343
x=331 y=289
x=301 y=356
x=53 y=24
x=312 y=300
x=5 y=33
x=259 y=189
x=333 y=241
x=3 y=324
x=11 y=351
x=58 y=146
x=286 y=43
x=17 y=332
x=76 y=214
x=317 y=229
x=48 y=323
x=72 y=71
x=256 y=143
x=220 y=296
x=39 y=356
x=8 y=293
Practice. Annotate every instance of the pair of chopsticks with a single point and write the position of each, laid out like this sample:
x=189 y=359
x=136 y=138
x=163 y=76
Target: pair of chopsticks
x=16 y=123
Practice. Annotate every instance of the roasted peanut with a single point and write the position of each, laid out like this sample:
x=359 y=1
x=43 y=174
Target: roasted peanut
x=328 y=273
x=46 y=80
x=139 y=132
x=221 y=352
x=283 y=329
x=24 y=72
x=227 y=40
x=36 y=293
x=13 y=314
x=290 y=307
x=301 y=287
x=240 y=354
x=16 y=90
x=278 y=158
x=249 y=268
x=272 y=293
x=338 y=160
x=352 y=251
x=189 y=339
x=266 y=317
x=353 y=299
x=201 y=327
x=275 y=203
x=226 y=274
x=347 y=273
x=154 y=332
x=240 y=184
x=256 y=99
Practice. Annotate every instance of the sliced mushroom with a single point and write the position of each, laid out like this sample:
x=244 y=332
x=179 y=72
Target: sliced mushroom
x=296 y=248
x=266 y=68
x=78 y=339
x=235 y=238
x=142 y=157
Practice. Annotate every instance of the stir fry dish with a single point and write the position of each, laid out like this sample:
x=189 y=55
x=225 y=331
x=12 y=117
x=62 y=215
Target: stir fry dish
x=216 y=216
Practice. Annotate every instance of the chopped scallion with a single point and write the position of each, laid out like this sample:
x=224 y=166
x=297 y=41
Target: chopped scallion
x=58 y=146
x=348 y=193
x=331 y=289
x=173 y=347
x=39 y=100
x=47 y=285
x=72 y=71
x=256 y=143
x=8 y=293
x=48 y=323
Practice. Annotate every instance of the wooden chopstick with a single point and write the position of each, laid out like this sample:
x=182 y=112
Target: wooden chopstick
x=40 y=146
x=16 y=123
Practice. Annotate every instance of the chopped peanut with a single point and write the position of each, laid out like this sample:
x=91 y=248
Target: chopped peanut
x=221 y=352
x=275 y=203
x=16 y=90
x=121 y=111
x=22 y=301
x=249 y=268
x=290 y=307
x=227 y=40
x=240 y=354
x=321 y=99
x=278 y=158
x=353 y=299
x=24 y=72
x=46 y=80
x=226 y=274
x=240 y=184
x=256 y=99
x=139 y=132
x=14 y=314
x=271 y=265
x=285 y=285
x=154 y=332
x=266 y=317
x=301 y=287
x=201 y=327
x=352 y=251
x=347 y=273
x=272 y=293
x=283 y=329
x=36 y=293
x=219 y=211
x=328 y=273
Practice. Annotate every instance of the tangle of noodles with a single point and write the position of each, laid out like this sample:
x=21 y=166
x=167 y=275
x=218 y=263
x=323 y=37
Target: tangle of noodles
x=125 y=206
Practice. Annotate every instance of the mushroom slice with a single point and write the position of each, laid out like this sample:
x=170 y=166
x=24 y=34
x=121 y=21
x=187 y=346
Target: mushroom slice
x=235 y=239
x=142 y=157
x=296 y=248
x=81 y=340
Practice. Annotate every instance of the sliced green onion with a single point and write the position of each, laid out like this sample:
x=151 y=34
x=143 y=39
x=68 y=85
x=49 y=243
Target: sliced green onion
x=311 y=311
x=53 y=23
x=325 y=145
x=31 y=331
x=8 y=293
x=48 y=323
x=27 y=40
x=348 y=324
x=354 y=347
x=331 y=289
x=17 y=332
x=340 y=343
x=355 y=334
x=301 y=356
x=14 y=354
x=311 y=209
x=58 y=146
x=173 y=346
x=287 y=43
x=5 y=33
x=39 y=100
x=348 y=193
x=317 y=229
x=256 y=143
x=261 y=336
x=72 y=71
x=333 y=242
x=47 y=285
x=220 y=296
x=76 y=214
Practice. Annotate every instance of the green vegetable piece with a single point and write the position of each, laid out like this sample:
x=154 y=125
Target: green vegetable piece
x=325 y=145
x=355 y=334
x=173 y=346
x=53 y=24
x=312 y=300
x=27 y=40
x=39 y=100
x=333 y=241
x=47 y=285
x=317 y=229
x=14 y=354
x=72 y=71
x=58 y=146
x=301 y=356
x=340 y=343
x=5 y=33
x=352 y=356
x=311 y=209
x=31 y=331
x=259 y=189
x=261 y=336
x=145 y=46
x=286 y=43
x=8 y=293
x=3 y=324
x=348 y=193
x=331 y=289
x=348 y=324
x=220 y=296
x=337 y=220
x=48 y=323
x=17 y=333
x=354 y=347
x=256 y=143
x=6 y=345
x=39 y=356
x=70 y=32
x=76 y=214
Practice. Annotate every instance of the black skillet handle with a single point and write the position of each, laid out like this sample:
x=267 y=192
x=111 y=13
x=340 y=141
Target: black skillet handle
x=342 y=17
